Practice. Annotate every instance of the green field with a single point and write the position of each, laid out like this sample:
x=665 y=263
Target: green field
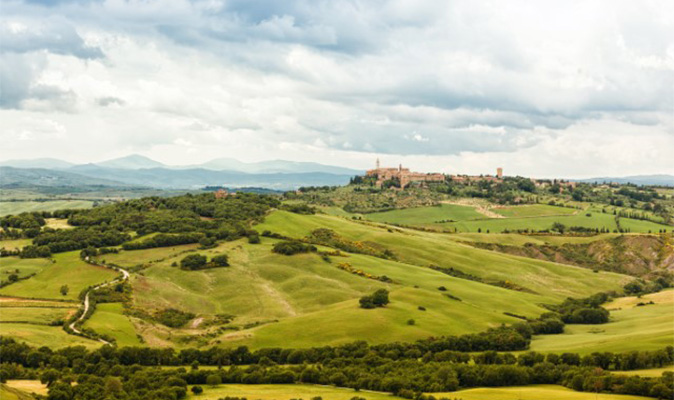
x=14 y=244
x=67 y=269
x=555 y=281
x=40 y=335
x=137 y=257
x=654 y=372
x=109 y=319
x=28 y=386
x=17 y=207
x=287 y=392
x=10 y=393
x=533 y=210
x=303 y=300
x=33 y=315
x=533 y=392
x=21 y=267
x=426 y=215
x=631 y=328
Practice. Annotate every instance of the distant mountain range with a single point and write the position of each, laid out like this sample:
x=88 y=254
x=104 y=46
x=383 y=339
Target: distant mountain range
x=660 y=180
x=137 y=170
x=136 y=161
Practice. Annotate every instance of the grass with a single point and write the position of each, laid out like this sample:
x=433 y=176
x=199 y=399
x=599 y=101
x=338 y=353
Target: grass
x=58 y=223
x=34 y=315
x=652 y=373
x=533 y=392
x=21 y=267
x=14 y=244
x=10 y=393
x=552 y=280
x=28 y=386
x=426 y=215
x=67 y=269
x=533 y=210
x=39 y=335
x=631 y=328
x=18 y=207
x=109 y=319
x=145 y=256
x=286 y=392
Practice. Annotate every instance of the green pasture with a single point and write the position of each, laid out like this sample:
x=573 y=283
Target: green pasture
x=11 y=393
x=67 y=269
x=14 y=244
x=555 y=281
x=631 y=327
x=532 y=392
x=17 y=207
x=533 y=210
x=34 y=315
x=652 y=372
x=286 y=392
x=109 y=319
x=137 y=257
x=22 y=267
x=40 y=335
x=426 y=215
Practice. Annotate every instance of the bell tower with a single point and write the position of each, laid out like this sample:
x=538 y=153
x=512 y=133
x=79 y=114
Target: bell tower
x=377 y=164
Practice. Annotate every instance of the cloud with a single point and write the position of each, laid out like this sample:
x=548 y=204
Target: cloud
x=419 y=80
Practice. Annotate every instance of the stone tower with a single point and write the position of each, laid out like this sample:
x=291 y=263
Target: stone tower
x=377 y=162
x=499 y=172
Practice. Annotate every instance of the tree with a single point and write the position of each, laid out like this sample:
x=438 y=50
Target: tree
x=64 y=290
x=13 y=277
x=213 y=379
x=376 y=299
x=193 y=262
x=221 y=261
x=197 y=389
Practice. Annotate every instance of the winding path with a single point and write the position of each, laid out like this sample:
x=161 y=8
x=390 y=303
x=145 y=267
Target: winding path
x=123 y=278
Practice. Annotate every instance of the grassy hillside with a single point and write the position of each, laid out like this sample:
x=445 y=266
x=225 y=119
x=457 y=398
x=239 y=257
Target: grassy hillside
x=632 y=327
x=533 y=392
x=533 y=210
x=21 y=267
x=67 y=269
x=286 y=392
x=426 y=215
x=551 y=280
x=110 y=320
x=316 y=303
x=40 y=335
x=17 y=207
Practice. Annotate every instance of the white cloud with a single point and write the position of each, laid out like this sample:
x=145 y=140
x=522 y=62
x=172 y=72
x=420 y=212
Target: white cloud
x=556 y=89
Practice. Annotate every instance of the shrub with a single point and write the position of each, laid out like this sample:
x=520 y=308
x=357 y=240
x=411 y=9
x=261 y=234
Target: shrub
x=197 y=389
x=289 y=248
x=221 y=261
x=410 y=322
x=376 y=299
x=193 y=262
x=173 y=318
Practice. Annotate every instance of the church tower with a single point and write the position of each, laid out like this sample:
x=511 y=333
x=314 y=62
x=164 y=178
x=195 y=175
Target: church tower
x=377 y=162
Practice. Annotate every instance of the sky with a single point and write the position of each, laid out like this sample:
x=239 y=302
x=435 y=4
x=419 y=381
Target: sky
x=570 y=89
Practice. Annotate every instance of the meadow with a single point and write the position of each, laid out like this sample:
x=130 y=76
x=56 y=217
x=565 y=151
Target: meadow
x=426 y=215
x=631 y=327
x=40 y=335
x=532 y=392
x=67 y=269
x=21 y=267
x=109 y=319
x=286 y=392
x=18 y=207
x=33 y=315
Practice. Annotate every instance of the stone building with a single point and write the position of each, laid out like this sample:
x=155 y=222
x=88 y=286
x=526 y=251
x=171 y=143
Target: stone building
x=403 y=175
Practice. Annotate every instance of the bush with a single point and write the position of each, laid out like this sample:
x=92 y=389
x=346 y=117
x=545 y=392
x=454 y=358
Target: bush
x=410 y=322
x=197 y=389
x=221 y=261
x=193 y=262
x=173 y=318
x=289 y=248
x=376 y=299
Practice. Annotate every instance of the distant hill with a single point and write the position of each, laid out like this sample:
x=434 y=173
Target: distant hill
x=133 y=161
x=275 y=166
x=661 y=179
x=11 y=177
x=48 y=163
x=194 y=178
